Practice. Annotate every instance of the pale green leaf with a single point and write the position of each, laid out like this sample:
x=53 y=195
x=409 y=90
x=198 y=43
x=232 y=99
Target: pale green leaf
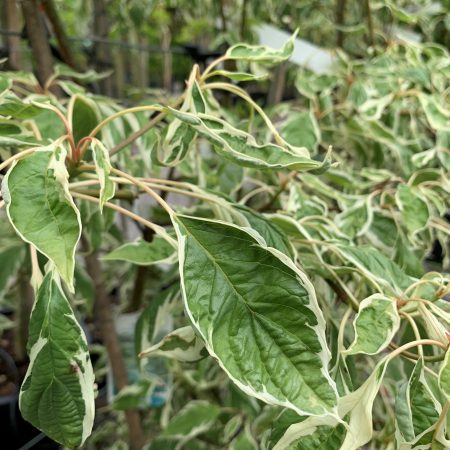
x=313 y=433
x=444 y=375
x=258 y=315
x=103 y=167
x=134 y=396
x=197 y=417
x=181 y=344
x=144 y=253
x=437 y=115
x=57 y=395
x=375 y=325
x=41 y=209
x=414 y=209
x=358 y=404
x=355 y=220
x=11 y=258
x=262 y=53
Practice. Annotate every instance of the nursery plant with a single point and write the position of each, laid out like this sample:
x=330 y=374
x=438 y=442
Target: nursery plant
x=291 y=278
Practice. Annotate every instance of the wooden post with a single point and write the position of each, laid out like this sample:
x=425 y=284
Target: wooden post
x=38 y=41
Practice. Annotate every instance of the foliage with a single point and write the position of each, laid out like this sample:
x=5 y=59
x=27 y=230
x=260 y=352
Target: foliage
x=301 y=315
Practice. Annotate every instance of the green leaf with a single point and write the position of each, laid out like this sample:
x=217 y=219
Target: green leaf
x=444 y=375
x=12 y=258
x=57 y=395
x=83 y=115
x=414 y=209
x=415 y=409
x=262 y=53
x=179 y=136
x=374 y=265
x=197 y=417
x=134 y=396
x=41 y=209
x=270 y=232
x=257 y=313
x=375 y=325
x=313 y=433
x=89 y=76
x=241 y=148
x=181 y=344
x=302 y=130
x=355 y=220
x=103 y=168
x=153 y=319
x=11 y=105
x=144 y=253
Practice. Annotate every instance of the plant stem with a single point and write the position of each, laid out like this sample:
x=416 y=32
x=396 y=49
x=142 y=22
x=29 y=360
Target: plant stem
x=241 y=93
x=149 y=191
x=132 y=137
x=133 y=110
x=105 y=321
x=17 y=156
x=412 y=344
x=156 y=228
x=415 y=329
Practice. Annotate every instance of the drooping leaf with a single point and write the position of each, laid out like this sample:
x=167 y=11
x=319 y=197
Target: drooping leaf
x=257 y=314
x=375 y=325
x=414 y=209
x=415 y=409
x=41 y=209
x=358 y=405
x=57 y=395
x=377 y=266
x=262 y=53
x=181 y=344
x=179 y=136
x=241 y=148
x=103 y=168
x=239 y=76
x=144 y=253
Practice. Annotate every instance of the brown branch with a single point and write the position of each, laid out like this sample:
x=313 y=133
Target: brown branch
x=60 y=34
x=369 y=22
x=340 y=18
x=105 y=322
